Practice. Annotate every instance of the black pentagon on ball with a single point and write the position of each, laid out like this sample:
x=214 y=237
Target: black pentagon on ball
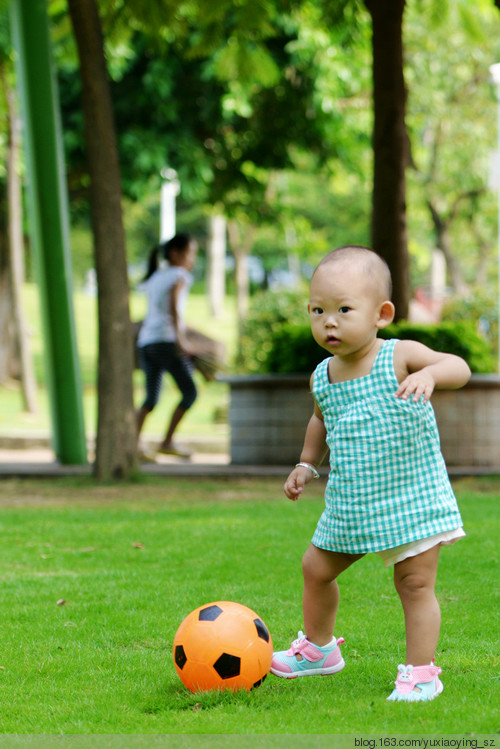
x=209 y=614
x=258 y=683
x=227 y=666
x=180 y=656
x=262 y=630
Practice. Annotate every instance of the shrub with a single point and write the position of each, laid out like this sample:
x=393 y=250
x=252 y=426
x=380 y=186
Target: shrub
x=292 y=349
x=460 y=338
x=482 y=307
x=269 y=312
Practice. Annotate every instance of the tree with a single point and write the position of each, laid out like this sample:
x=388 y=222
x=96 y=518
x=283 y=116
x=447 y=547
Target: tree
x=216 y=266
x=16 y=249
x=223 y=120
x=15 y=357
x=200 y=107
x=253 y=114
x=116 y=435
x=8 y=359
x=390 y=145
x=451 y=121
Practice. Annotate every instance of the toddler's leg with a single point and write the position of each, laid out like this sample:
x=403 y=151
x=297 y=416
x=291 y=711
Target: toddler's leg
x=415 y=579
x=320 y=569
x=317 y=652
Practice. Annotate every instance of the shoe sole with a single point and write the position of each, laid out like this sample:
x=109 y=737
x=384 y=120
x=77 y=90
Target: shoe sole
x=407 y=698
x=437 y=692
x=310 y=671
x=145 y=458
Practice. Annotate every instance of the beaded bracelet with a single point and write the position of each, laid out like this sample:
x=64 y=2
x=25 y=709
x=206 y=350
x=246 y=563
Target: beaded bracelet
x=311 y=468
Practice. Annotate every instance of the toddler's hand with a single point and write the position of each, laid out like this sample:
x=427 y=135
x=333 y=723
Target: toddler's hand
x=418 y=384
x=296 y=481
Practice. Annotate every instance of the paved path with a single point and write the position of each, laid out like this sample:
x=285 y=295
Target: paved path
x=24 y=457
x=38 y=461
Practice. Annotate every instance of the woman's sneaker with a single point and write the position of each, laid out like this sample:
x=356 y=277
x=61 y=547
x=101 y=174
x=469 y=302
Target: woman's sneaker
x=416 y=684
x=306 y=659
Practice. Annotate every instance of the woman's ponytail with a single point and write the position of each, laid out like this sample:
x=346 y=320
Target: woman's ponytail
x=152 y=262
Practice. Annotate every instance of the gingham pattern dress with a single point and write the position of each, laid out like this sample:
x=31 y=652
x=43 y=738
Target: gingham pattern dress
x=388 y=483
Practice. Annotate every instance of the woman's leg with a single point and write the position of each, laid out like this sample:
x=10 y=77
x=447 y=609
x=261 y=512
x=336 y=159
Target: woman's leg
x=321 y=591
x=175 y=419
x=140 y=418
x=148 y=360
x=415 y=580
x=181 y=370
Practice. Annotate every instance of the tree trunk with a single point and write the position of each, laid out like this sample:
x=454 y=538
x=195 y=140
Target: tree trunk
x=241 y=241
x=216 y=276
x=390 y=145
x=485 y=253
x=16 y=249
x=9 y=366
x=443 y=242
x=9 y=363
x=116 y=432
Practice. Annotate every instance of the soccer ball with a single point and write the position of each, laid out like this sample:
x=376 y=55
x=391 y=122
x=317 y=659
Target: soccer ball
x=222 y=645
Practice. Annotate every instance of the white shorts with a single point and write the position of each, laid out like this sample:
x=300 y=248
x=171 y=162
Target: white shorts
x=398 y=553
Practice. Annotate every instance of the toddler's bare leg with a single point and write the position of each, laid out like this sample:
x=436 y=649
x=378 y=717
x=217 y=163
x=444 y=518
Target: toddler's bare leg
x=415 y=580
x=321 y=591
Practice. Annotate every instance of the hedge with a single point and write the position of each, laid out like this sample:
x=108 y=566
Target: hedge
x=292 y=349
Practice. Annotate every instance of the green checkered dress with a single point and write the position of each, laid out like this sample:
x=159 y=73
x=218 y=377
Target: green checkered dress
x=388 y=483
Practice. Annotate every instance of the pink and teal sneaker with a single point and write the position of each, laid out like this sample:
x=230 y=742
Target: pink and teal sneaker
x=306 y=659
x=416 y=684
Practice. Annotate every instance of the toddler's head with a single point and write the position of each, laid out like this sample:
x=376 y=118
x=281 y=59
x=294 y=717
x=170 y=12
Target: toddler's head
x=355 y=260
x=350 y=299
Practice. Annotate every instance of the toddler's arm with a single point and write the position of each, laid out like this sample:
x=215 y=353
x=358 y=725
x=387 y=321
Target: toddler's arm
x=420 y=370
x=313 y=452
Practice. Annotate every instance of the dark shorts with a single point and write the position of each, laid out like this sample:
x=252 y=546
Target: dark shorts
x=157 y=358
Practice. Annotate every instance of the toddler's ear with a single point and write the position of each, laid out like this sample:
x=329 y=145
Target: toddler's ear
x=386 y=314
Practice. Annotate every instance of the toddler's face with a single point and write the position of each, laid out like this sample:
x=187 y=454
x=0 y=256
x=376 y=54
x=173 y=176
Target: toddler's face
x=344 y=308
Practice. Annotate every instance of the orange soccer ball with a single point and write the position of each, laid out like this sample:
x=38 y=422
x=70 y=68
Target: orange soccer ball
x=222 y=645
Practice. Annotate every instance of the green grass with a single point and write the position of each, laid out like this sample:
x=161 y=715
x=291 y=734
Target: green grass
x=102 y=662
x=203 y=417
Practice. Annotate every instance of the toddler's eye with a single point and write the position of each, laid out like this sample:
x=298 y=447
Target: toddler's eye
x=344 y=309
x=317 y=311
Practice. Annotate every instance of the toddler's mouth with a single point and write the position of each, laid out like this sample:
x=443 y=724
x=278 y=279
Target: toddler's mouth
x=331 y=339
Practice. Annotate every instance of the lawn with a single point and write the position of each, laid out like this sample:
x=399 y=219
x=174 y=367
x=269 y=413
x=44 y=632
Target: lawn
x=130 y=561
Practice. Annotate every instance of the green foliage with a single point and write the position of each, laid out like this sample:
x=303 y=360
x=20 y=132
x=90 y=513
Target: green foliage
x=269 y=312
x=208 y=98
x=451 y=143
x=294 y=350
x=281 y=346
x=481 y=305
x=460 y=338
x=229 y=93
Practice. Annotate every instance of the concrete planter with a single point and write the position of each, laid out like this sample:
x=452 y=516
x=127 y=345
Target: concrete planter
x=269 y=413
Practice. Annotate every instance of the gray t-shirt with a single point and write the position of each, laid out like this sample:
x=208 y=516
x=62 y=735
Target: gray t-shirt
x=158 y=324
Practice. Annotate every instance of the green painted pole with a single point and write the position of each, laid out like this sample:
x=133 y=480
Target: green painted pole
x=49 y=225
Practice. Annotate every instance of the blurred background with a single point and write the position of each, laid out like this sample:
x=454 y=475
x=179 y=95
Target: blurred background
x=273 y=131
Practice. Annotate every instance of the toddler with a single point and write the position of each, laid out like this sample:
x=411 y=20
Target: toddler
x=388 y=490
